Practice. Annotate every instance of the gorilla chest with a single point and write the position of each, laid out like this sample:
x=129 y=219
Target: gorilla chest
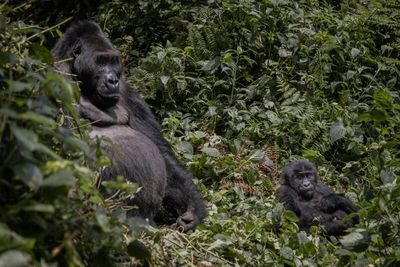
x=311 y=207
x=130 y=150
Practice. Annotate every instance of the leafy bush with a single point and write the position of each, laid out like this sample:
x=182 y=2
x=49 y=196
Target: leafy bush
x=50 y=208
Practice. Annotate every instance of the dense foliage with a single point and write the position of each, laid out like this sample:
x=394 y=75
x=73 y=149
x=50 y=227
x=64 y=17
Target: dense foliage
x=241 y=88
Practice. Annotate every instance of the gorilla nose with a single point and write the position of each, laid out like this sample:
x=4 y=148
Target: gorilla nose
x=112 y=82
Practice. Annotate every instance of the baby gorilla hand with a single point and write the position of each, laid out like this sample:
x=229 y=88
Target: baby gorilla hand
x=328 y=204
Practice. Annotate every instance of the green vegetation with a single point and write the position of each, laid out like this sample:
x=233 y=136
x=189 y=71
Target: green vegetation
x=241 y=88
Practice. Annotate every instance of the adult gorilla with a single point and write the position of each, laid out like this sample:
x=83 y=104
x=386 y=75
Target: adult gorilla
x=314 y=203
x=139 y=152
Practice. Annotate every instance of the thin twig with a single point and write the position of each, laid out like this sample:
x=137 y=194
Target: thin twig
x=48 y=29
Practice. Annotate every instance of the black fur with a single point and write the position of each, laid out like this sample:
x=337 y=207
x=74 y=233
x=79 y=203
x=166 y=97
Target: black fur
x=313 y=202
x=139 y=151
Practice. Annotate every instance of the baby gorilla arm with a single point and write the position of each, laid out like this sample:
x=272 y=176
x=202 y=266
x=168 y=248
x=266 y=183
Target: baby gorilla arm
x=288 y=197
x=334 y=227
x=334 y=202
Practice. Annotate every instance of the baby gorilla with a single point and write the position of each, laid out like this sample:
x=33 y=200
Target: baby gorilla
x=314 y=203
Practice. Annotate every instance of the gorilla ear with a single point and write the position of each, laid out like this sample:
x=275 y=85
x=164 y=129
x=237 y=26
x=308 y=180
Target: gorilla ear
x=284 y=178
x=76 y=50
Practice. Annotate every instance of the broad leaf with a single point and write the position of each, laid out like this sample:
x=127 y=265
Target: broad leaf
x=337 y=131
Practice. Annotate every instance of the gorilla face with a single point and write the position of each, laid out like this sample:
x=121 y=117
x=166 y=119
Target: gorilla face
x=304 y=183
x=302 y=177
x=89 y=55
x=98 y=70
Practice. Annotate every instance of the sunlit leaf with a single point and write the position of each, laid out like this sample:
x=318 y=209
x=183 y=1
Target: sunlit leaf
x=257 y=155
x=63 y=177
x=39 y=207
x=383 y=99
x=356 y=241
x=15 y=258
x=337 y=131
x=210 y=151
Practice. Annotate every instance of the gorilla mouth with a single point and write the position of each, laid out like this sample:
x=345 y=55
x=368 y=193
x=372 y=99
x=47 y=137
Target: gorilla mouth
x=307 y=194
x=112 y=96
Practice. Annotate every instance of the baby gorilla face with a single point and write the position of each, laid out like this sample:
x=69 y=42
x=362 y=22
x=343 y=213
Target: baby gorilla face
x=304 y=183
x=301 y=175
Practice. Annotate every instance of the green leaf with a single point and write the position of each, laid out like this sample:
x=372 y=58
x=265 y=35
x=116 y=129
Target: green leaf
x=377 y=114
x=25 y=137
x=62 y=177
x=228 y=58
x=161 y=55
x=15 y=258
x=39 y=207
x=210 y=151
x=383 y=99
x=138 y=250
x=35 y=117
x=30 y=174
x=185 y=148
x=211 y=65
x=257 y=155
x=337 y=131
x=8 y=112
x=41 y=53
x=78 y=144
x=181 y=85
x=18 y=86
x=286 y=253
x=7 y=58
x=356 y=241
x=355 y=52
x=284 y=53
x=164 y=80
x=217 y=244
x=103 y=221
x=386 y=176
x=3 y=23
x=11 y=240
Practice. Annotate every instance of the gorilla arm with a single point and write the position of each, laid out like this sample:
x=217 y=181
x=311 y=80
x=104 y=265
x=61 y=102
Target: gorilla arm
x=331 y=201
x=286 y=195
x=115 y=115
x=333 y=226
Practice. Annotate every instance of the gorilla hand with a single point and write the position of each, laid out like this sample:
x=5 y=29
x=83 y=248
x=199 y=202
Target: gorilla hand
x=186 y=221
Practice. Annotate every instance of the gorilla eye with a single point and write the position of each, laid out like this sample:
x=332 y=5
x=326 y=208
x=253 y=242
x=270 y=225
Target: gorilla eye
x=106 y=59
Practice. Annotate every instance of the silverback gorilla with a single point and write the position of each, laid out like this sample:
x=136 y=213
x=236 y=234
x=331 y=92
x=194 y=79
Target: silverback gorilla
x=138 y=150
x=314 y=203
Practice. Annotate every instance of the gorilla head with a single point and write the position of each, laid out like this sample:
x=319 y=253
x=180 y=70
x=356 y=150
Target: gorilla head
x=302 y=176
x=93 y=60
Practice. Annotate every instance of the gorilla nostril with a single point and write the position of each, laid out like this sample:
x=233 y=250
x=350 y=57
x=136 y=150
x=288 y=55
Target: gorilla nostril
x=112 y=81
